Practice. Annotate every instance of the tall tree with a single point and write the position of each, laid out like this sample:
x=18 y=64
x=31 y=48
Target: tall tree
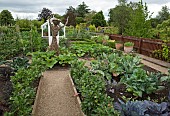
x=89 y=17
x=139 y=23
x=164 y=14
x=99 y=20
x=82 y=10
x=71 y=13
x=45 y=13
x=6 y=18
x=119 y=16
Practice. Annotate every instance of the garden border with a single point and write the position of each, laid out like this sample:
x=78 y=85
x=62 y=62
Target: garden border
x=77 y=97
x=37 y=96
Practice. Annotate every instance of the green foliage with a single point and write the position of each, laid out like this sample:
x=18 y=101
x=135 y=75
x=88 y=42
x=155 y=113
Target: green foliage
x=119 y=17
x=139 y=23
x=112 y=30
x=127 y=44
x=79 y=20
x=111 y=43
x=82 y=10
x=163 y=32
x=49 y=59
x=89 y=49
x=163 y=15
x=139 y=82
x=92 y=28
x=17 y=63
x=130 y=72
x=66 y=59
x=9 y=43
x=89 y=16
x=118 y=63
x=23 y=23
x=46 y=59
x=166 y=52
x=23 y=83
x=26 y=24
x=102 y=39
x=92 y=87
x=98 y=20
x=6 y=18
x=14 y=43
x=37 y=43
x=82 y=34
x=31 y=41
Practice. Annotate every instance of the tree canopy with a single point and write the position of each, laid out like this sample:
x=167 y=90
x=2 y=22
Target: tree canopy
x=45 y=13
x=119 y=16
x=163 y=15
x=82 y=10
x=6 y=18
x=139 y=23
x=71 y=13
x=99 y=20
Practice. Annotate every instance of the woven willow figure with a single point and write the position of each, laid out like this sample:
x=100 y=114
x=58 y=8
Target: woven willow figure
x=55 y=29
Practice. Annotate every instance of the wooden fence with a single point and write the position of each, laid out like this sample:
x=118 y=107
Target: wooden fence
x=143 y=46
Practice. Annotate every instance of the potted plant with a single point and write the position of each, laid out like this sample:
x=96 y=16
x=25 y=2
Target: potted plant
x=128 y=47
x=118 y=45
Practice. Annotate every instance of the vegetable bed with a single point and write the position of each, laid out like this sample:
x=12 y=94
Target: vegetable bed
x=119 y=84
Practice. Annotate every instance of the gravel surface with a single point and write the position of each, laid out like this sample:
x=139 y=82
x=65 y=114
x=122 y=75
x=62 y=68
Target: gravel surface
x=56 y=95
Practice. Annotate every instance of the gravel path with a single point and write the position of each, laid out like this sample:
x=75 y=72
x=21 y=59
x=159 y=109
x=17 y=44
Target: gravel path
x=56 y=95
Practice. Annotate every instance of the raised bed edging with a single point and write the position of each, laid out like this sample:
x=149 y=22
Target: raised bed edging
x=156 y=61
x=75 y=91
x=37 y=95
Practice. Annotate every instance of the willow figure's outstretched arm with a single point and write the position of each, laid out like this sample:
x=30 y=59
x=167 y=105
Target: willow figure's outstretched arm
x=65 y=23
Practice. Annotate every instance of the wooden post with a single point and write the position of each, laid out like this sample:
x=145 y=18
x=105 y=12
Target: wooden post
x=122 y=38
x=140 y=45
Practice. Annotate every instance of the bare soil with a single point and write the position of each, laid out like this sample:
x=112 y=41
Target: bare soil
x=56 y=95
x=5 y=88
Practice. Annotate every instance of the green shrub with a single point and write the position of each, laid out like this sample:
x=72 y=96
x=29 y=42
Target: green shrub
x=111 y=43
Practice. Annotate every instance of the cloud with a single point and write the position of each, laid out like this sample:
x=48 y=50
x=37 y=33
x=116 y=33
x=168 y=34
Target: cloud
x=159 y=2
x=32 y=8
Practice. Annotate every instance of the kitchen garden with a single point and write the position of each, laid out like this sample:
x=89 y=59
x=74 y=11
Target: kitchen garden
x=113 y=83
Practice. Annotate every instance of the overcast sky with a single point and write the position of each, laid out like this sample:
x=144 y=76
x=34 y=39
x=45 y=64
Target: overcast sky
x=31 y=8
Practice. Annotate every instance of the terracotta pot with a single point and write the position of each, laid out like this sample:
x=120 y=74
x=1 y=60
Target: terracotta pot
x=118 y=46
x=128 y=49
